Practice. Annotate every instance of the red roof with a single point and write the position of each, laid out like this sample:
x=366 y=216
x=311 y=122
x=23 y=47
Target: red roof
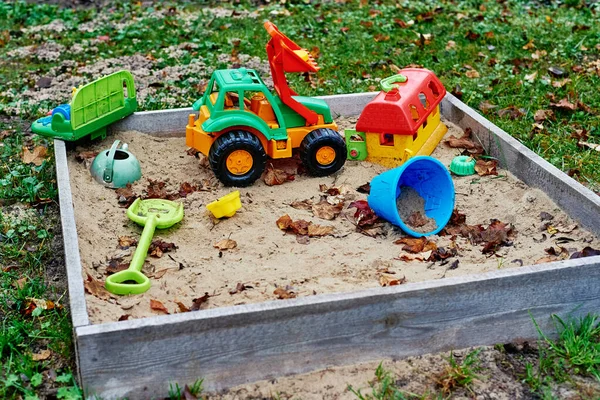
x=400 y=110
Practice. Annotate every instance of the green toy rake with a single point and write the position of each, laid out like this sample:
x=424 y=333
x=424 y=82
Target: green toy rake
x=151 y=214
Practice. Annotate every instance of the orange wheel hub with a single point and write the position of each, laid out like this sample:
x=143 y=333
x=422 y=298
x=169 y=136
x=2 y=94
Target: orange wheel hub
x=325 y=155
x=239 y=162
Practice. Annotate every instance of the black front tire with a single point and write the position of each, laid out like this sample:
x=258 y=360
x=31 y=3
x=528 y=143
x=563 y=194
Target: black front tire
x=316 y=140
x=226 y=144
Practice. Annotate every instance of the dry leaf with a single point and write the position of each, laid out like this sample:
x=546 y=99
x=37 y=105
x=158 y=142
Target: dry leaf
x=196 y=303
x=96 y=288
x=416 y=219
x=158 y=306
x=302 y=205
x=225 y=244
x=302 y=227
x=20 y=283
x=126 y=242
x=564 y=104
x=182 y=307
x=512 y=112
x=36 y=157
x=240 y=287
x=531 y=77
x=275 y=176
x=327 y=211
x=158 y=247
x=319 y=230
x=593 y=146
x=561 y=83
x=450 y=45
x=472 y=74
x=408 y=257
x=42 y=355
x=391 y=280
x=281 y=294
x=542 y=115
x=84 y=156
x=124 y=317
x=464 y=142
x=160 y=274
x=586 y=252
x=483 y=167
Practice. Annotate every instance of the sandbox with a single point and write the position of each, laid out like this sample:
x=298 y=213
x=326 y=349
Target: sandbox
x=341 y=314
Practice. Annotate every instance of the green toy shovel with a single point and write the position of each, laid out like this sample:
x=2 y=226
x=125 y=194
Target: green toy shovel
x=151 y=214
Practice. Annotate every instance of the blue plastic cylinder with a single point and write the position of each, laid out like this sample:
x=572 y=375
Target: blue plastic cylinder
x=428 y=177
x=64 y=109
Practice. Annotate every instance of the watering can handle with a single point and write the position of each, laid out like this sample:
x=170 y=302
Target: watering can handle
x=110 y=161
x=390 y=82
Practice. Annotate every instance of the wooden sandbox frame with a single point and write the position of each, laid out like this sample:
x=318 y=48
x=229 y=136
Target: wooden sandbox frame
x=228 y=346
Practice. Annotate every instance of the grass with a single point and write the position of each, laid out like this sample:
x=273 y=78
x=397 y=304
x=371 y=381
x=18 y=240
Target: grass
x=494 y=55
x=576 y=352
x=35 y=334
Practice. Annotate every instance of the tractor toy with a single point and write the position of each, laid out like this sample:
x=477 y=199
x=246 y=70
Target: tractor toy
x=241 y=122
x=401 y=122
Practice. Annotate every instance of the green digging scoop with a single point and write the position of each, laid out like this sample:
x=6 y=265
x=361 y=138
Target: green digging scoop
x=151 y=214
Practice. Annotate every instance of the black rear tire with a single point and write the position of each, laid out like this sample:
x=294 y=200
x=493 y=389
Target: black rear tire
x=225 y=145
x=318 y=139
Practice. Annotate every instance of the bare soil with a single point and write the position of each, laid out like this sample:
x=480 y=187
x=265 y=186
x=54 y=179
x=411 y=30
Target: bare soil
x=265 y=258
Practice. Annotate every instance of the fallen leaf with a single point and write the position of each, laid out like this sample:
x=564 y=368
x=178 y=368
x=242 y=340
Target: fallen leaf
x=364 y=216
x=96 y=288
x=529 y=45
x=485 y=106
x=416 y=245
x=158 y=306
x=472 y=74
x=124 y=317
x=182 y=307
x=125 y=196
x=158 y=247
x=391 y=280
x=225 y=244
x=126 y=242
x=586 y=252
x=327 y=211
x=593 y=146
x=84 y=156
x=542 y=115
x=464 y=142
x=486 y=167
x=20 y=283
x=561 y=83
x=192 y=152
x=366 y=188
x=282 y=293
x=275 y=176
x=564 y=104
x=512 y=112
x=441 y=253
x=556 y=71
x=196 y=303
x=450 y=45
x=42 y=355
x=160 y=274
x=562 y=228
x=531 y=77
x=302 y=205
x=156 y=190
x=319 y=230
x=240 y=287
x=36 y=157
x=115 y=265
x=186 y=188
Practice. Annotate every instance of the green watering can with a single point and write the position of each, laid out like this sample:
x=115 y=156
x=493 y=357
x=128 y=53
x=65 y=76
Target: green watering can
x=151 y=214
x=116 y=167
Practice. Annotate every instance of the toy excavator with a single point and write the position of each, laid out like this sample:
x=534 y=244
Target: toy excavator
x=240 y=122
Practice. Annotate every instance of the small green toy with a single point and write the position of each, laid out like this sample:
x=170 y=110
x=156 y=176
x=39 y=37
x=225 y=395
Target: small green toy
x=463 y=165
x=151 y=214
x=92 y=108
x=116 y=167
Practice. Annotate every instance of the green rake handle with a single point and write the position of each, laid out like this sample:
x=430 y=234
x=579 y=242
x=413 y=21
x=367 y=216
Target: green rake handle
x=131 y=280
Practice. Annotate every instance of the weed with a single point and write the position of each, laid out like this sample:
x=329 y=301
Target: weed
x=384 y=388
x=459 y=375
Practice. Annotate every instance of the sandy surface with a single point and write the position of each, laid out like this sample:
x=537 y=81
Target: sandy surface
x=266 y=258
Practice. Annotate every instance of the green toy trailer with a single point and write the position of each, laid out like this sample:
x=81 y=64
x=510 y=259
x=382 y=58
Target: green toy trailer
x=92 y=108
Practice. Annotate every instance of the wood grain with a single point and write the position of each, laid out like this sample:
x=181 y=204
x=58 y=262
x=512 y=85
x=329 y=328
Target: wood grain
x=235 y=345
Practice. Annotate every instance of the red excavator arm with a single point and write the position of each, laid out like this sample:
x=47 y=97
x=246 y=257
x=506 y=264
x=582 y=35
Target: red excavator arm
x=286 y=56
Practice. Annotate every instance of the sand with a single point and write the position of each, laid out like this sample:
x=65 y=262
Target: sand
x=266 y=258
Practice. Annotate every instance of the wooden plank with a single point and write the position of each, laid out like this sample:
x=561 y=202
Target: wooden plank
x=77 y=304
x=235 y=345
x=579 y=202
x=172 y=122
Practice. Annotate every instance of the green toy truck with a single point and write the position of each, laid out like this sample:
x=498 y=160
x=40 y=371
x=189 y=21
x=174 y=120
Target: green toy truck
x=240 y=122
x=92 y=108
